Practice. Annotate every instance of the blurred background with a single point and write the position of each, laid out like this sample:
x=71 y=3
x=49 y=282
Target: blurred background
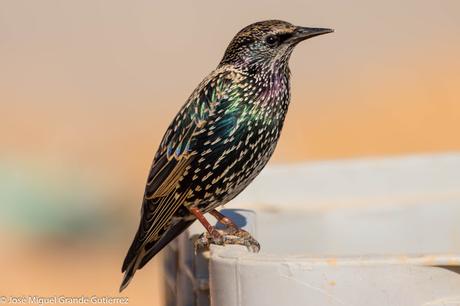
x=87 y=89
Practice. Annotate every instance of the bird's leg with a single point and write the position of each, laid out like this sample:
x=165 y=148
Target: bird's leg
x=213 y=233
x=234 y=234
x=225 y=221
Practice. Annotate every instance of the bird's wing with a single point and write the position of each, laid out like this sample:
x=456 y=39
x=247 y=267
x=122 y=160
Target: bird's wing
x=176 y=151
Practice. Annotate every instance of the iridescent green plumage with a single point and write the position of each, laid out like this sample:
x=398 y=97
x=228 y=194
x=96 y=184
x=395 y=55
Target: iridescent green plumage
x=221 y=138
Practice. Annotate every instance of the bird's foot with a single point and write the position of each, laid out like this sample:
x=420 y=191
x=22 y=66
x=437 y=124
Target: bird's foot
x=228 y=236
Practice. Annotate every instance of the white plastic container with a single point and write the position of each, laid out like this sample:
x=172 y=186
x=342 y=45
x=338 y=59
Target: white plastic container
x=360 y=232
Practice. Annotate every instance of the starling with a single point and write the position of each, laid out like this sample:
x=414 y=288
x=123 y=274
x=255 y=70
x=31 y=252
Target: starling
x=219 y=141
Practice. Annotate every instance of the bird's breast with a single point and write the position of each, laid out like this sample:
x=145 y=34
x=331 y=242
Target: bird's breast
x=230 y=158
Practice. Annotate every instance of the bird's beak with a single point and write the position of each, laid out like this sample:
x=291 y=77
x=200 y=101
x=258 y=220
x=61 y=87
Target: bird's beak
x=302 y=33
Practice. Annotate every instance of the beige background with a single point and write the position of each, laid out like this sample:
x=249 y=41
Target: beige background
x=88 y=87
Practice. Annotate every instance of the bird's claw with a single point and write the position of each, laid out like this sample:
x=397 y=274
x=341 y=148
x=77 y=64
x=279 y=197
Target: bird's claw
x=229 y=236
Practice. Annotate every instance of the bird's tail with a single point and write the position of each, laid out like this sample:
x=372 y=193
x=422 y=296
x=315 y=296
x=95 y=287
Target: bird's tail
x=140 y=253
x=129 y=273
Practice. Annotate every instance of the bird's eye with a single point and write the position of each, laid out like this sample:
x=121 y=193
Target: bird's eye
x=271 y=40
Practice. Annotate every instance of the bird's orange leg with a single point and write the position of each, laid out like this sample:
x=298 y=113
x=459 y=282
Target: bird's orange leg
x=234 y=236
x=217 y=237
x=223 y=219
x=243 y=237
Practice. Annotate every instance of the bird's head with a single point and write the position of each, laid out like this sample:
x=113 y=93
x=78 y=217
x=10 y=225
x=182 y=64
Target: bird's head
x=267 y=44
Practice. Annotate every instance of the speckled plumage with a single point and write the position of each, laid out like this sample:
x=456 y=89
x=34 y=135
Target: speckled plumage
x=221 y=138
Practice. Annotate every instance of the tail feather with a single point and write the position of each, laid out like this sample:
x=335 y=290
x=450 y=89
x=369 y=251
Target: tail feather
x=127 y=277
x=139 y=254
x=167 y=237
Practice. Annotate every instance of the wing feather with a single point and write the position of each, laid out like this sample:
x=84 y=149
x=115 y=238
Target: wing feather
x=162 y=197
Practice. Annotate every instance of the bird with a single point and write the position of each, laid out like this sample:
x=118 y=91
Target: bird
x=219 y=141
